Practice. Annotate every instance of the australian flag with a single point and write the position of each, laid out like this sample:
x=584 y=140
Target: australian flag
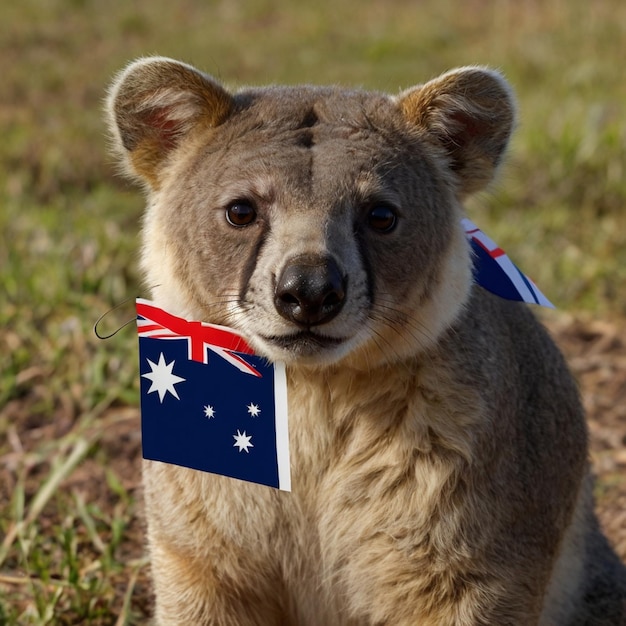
x=208 y=402
x=494 y=270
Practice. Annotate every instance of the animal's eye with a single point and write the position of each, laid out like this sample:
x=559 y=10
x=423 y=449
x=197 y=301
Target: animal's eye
x=240 y=213
x=382 y=218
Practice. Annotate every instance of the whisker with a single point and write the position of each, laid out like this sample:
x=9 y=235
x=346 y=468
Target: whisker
x=414 y=329
x=153 y=287
x=406 y=316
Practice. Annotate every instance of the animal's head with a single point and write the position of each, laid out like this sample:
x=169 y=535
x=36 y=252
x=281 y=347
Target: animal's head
x=322 y=223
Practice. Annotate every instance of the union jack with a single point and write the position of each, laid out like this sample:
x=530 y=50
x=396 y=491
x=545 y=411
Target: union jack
x=201 y=337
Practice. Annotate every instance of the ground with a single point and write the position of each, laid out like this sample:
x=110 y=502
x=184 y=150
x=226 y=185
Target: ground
x=596 y=351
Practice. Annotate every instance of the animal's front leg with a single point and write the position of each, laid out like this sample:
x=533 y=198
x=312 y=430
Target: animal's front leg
x=408 y=555
x=383 y=587
x=192 y=591
x=209 y=543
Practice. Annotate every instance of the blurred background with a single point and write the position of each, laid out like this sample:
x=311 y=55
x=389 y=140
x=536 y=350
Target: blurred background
x=70 y=504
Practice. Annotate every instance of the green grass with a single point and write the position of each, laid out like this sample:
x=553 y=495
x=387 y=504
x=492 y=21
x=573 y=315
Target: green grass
x=69 y=527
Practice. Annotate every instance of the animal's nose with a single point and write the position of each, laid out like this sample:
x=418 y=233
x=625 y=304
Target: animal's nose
x=310 y=290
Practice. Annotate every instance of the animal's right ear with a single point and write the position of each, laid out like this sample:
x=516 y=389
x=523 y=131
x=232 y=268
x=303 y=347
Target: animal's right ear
x=152 y=106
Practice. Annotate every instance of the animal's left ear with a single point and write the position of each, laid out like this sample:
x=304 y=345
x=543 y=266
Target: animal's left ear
x=470 y=112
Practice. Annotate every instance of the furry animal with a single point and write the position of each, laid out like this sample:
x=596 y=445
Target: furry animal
x=438 y=446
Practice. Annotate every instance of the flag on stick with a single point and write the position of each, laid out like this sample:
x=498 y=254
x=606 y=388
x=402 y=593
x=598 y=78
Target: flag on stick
x=208 y=402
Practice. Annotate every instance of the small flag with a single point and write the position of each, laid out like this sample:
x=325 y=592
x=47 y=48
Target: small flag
x=208 y=402
x=494 y=271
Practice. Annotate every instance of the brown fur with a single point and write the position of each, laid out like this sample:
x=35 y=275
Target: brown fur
x=438 y=446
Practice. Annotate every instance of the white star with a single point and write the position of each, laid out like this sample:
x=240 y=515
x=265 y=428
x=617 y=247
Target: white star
x=163 y=380
x=242 y=441
x=209 y=411
x=254 y=409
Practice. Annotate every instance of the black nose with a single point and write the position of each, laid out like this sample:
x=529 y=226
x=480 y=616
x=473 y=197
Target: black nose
x=311 y=290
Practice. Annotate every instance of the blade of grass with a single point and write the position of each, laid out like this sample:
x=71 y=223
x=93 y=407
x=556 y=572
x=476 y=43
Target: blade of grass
x=124 y=616
x=89 y=523
x=77 y=454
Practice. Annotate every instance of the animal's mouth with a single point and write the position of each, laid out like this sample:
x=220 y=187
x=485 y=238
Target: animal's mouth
x=305 y=342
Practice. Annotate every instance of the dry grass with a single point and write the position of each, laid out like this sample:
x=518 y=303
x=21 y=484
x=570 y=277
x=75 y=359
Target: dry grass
x=70 y=529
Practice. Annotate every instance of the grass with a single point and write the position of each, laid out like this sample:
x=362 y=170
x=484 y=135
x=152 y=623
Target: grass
x=70 y=530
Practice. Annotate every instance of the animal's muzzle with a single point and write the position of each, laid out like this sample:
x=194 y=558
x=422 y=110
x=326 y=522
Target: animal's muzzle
x=310 y=291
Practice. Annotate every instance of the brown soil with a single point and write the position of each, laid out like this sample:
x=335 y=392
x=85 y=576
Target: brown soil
x=596 y=352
